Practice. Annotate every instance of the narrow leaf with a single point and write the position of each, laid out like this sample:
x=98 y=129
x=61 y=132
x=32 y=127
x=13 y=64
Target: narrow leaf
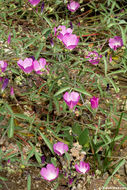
x=11 y=128
x=47 y=142
x=29 y=182
x=62 y=90
x=82 y=91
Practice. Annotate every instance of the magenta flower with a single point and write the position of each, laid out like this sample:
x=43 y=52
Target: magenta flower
x=12 y=92
x=49 y=173
x=34 y=2
x=83 y=167
x=51 y=42
x=115 y=42
x=60 y=148
x=71 y=99
x=61 y=31
x=73 y=6
x=4 y=85
x=110 y=58
x=71 y=180
x=93 y=57
x=39 y=65
x=26 y=65
x=3 y=66
x=1 y=79
x=42 y=159
x=94 y=102
x=70 y=41
x=9 y=39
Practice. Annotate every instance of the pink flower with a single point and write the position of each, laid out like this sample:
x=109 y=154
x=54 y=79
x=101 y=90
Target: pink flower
x=110 y=58
x=34 y=2
x=12 y=92
x=61 y=31
x=83 y=167
x=60 y=148
x=73 y=6
x=115 y=42
x=70 y=41
x=49 y=173
x=26 y=65
x=71 y=99
x=93 y=57
x=94 y=102
x=38 y=66
x=9 y=39
x=3 y=66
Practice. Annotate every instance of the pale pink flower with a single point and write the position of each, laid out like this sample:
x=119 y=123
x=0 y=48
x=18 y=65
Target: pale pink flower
x=3 y=66
x=73 y=6
x=49 y=173
x=110 y=58
x=60 y=148
x=94 y=102
x=83 y=167
x=115 y=42
x=70 y=41
x=39 y=66
x=26 y=65
x=93 y=57
x=61 y=31
x=34 y=2
x=71 y=99
x=12 y=92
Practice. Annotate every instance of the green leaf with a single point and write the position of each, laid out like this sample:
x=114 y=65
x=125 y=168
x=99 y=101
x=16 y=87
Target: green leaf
x=3 y=178
x=84 y=137
x=31 y=153
x=47 y=20
x=11 y=128
x=114 y=85
x=62 y=90
x=47 y=142
x=29 y=182
x=30 y=42
x=124 y=35
x=15 y=71
x=121 y=163
x=67 y=155
x=82 y=91
x=76 y=128
x=39 y=50
x=116 y=72
x=38 y=157
x=22 y=116
x=53 y=161
x=106 y=66
x=56 y=104
x=45 y=31
x=9 y=108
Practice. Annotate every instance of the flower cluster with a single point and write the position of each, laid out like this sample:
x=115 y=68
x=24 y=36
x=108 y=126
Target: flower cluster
x=73 y=98
x=93 y=57
x=65 y=35
x=50 y=172
x=30 y=64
